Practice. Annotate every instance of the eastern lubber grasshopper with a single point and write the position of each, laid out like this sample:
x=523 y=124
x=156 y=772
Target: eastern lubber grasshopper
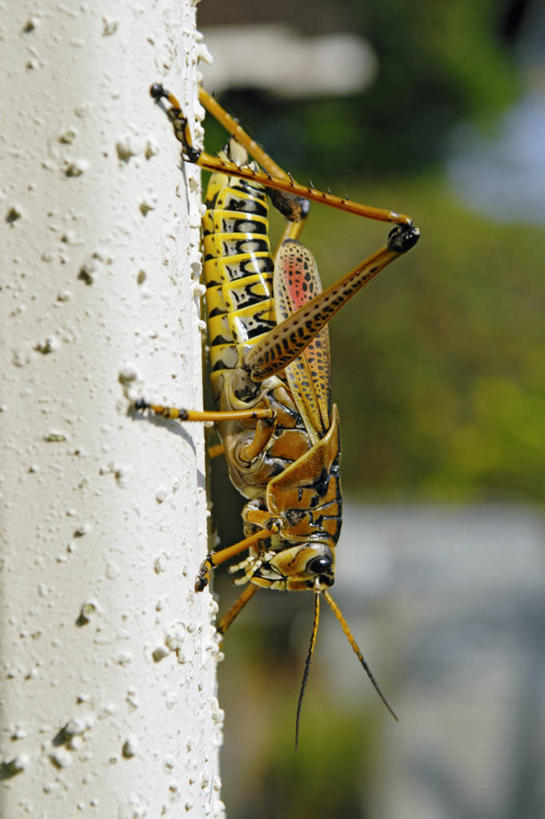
x=270 y=371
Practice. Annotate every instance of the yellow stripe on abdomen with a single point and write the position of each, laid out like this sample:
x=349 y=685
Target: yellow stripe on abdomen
x=238 y=271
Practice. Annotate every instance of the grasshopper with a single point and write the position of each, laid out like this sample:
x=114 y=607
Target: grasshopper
x=270 y=369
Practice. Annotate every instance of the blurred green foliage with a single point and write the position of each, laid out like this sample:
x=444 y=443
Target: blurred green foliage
x=439 y=62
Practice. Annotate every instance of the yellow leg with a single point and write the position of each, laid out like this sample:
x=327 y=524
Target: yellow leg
x=218 y=165
x=273 y=176
x=263 y=433
x=176 y=413
x=215 y=450
x=292 y=230
x=265 y=424
x=258 y=517
x=236 y=608
x=216 y=558
x=224 y=118
x=242 y=137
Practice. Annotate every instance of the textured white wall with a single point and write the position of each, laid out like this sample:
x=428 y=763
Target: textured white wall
x=107 y=673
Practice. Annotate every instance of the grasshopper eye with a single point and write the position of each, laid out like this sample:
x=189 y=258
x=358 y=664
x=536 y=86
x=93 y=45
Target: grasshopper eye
x=319 y=565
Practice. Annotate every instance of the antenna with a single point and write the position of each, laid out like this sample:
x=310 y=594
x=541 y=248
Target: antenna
x=308 y=660
x=356 y=649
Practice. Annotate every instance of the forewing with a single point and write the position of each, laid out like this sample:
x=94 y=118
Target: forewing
x=296 y=281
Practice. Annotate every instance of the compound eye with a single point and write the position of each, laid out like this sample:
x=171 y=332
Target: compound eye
x=319 y=565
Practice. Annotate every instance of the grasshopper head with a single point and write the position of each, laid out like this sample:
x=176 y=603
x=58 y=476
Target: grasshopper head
x=308 y=566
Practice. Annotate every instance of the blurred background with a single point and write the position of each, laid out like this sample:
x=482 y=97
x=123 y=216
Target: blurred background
x=436 y=109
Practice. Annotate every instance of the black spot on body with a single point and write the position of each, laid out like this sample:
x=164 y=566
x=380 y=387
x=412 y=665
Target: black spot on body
x=322 y=482
x=220 y=340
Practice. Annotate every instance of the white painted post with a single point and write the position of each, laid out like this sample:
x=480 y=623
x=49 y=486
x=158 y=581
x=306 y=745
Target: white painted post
x=107 y=672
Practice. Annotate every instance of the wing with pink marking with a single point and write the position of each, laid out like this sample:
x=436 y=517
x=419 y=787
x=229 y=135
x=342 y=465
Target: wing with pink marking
x=296 y=282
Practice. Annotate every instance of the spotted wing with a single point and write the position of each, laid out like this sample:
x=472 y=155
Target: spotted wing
x=296 y=282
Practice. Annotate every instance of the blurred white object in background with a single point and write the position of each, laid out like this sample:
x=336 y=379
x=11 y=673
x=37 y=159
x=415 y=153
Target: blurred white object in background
x=448 y=603
x=274 y=58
